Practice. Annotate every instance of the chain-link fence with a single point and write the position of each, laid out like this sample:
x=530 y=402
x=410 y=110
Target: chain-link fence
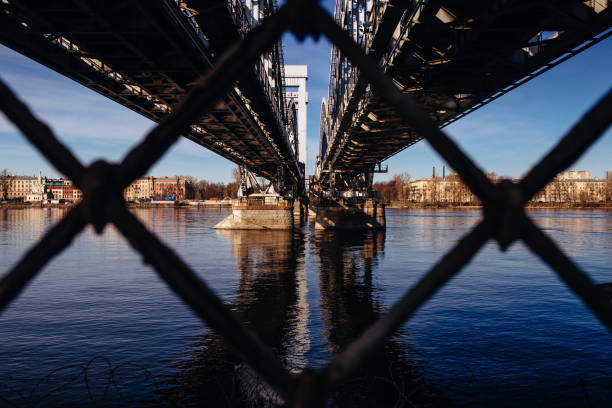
x=102 y=184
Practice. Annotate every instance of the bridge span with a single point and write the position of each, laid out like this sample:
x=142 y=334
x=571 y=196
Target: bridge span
x=148 y=55
x=452 y=57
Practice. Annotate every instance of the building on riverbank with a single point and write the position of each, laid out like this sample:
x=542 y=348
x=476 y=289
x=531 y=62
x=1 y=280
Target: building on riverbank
x=576 y=187
x=139 y=189
x=169 y=186
x=18 y=187
x=37 y=189
x=63 y=190
x=144 y=188
x=448 y=190
x=568 y=187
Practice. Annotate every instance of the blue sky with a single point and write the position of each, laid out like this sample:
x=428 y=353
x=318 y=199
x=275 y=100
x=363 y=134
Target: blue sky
x=507 y=136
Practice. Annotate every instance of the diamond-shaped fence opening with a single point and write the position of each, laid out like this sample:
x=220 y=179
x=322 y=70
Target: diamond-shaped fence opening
x=102 y=185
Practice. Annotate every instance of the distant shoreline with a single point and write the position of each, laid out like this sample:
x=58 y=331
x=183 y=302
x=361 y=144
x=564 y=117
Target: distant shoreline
x=166 y=204
x=408 y=206
x=404 y=206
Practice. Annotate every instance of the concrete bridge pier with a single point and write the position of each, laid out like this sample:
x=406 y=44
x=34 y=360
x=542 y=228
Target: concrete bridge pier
x=312 y=211
x=300 y=212
x=260 y=212
x=343 y=214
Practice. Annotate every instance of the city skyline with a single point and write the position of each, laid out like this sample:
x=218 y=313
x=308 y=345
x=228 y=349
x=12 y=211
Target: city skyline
x=506 y=136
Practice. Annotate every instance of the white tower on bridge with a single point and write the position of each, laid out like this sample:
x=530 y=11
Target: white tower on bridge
x=295 y=81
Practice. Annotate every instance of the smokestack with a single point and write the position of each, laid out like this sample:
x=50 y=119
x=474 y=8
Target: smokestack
x=443 y=172
x=433 y=172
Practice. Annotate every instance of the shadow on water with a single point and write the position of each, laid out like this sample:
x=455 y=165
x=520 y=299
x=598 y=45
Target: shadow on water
x=349 y=305
x=270 y=299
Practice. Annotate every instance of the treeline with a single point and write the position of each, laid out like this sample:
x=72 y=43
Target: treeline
x=394 y=189
x=205 y=190
x=5 y=176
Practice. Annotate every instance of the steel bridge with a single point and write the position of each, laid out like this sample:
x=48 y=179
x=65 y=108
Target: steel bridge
x=452 y=57
x=148 y=55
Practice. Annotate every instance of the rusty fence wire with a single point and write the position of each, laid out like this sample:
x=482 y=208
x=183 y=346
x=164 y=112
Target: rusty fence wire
x=102 y=184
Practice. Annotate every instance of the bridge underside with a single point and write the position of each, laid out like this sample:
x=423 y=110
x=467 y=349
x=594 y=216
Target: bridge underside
x=146 y=56
x=453 y=57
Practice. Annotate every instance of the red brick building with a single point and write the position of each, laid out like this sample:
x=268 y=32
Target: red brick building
x=146 y=187
x=62 y=189
x=169 y=186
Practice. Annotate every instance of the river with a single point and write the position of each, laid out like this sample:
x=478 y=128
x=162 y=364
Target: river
x=99 y=327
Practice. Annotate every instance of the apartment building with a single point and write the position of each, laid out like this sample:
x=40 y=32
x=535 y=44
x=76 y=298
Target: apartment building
x=63 y=189
x=170 y=186
x=572 y=186
x=449 y=189
x=139 y=189
x=573 y=175
x=146 y=187
x=575 y=187
x=18 y=187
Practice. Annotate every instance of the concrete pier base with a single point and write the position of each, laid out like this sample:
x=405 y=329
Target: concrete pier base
x=369 y=214
x=259 y=212
x=300 y=212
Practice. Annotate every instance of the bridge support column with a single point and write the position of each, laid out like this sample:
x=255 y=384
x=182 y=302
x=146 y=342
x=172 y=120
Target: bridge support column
x=300 y=211
x=259 y=212
x=369 y=214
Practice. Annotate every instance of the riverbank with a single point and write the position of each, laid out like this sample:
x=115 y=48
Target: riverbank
x=398 y=206
x=162 y=204
x=539 y=206
x=166 y=204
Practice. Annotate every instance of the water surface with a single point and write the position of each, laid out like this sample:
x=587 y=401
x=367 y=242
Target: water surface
x=99 y=326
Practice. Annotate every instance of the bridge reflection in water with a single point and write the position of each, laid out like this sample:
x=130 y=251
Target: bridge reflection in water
x=272 y=298
x=350 y=303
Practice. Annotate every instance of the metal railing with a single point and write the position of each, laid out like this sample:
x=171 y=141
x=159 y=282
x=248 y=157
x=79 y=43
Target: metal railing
x=102 y=184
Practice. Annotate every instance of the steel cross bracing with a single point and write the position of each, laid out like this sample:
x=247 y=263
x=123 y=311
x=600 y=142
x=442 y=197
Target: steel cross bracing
x=148 y=55
x=451 y=56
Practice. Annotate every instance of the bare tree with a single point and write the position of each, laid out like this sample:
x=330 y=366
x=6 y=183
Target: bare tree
x=432 y=193
x=5 y=179
x=190 y=186
x=608 y=192
x=401 y=182
x=555 y=191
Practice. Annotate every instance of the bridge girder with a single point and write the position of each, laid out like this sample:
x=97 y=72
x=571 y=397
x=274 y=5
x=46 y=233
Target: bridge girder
x=451 y=56
x=147 y=55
